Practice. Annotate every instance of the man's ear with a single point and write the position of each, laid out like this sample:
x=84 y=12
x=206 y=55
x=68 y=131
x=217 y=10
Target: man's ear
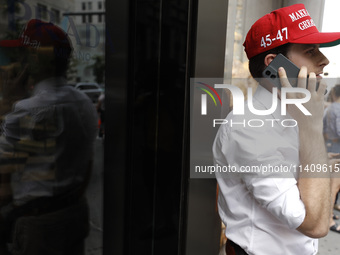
x=269 y=58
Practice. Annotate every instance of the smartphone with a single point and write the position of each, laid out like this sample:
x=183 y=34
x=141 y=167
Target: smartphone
x=271 y=71
x=292 y=71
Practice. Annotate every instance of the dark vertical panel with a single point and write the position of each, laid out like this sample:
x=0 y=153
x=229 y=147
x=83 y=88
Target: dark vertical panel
x=116 y=154
x=146 y=80
x=149 y=54
x=172 y=86
x=158 y=115
x=144 y=123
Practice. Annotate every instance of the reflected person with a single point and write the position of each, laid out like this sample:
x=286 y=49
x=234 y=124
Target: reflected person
x=46 y=150
x=331 y=122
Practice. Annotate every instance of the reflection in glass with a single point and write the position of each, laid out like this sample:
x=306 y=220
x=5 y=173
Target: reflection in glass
x=33 y=134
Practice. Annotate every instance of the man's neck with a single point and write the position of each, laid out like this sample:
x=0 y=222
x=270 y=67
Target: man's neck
x=43 y=76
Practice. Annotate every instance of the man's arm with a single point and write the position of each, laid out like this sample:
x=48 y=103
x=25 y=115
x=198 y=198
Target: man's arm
x=315 y=191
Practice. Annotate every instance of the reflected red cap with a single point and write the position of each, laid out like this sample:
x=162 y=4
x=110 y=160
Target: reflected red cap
x=37 y=33
x=291 y=24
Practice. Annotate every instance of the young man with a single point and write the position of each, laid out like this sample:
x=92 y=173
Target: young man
x=46 y=150
x=275 y=212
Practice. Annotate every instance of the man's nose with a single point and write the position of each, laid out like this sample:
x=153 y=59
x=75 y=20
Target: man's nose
x=323 y=60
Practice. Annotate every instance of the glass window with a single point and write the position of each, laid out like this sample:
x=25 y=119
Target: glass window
x=42 y=11
x=55 y=15
x=51 y=178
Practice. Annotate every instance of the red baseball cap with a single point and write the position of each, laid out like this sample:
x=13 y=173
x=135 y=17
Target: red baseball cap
x=37 y=33
x=291 y=24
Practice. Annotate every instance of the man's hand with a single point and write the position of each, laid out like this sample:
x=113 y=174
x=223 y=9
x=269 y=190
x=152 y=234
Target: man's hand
x=14 y=80
x=315 y=189
x=315 y=105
